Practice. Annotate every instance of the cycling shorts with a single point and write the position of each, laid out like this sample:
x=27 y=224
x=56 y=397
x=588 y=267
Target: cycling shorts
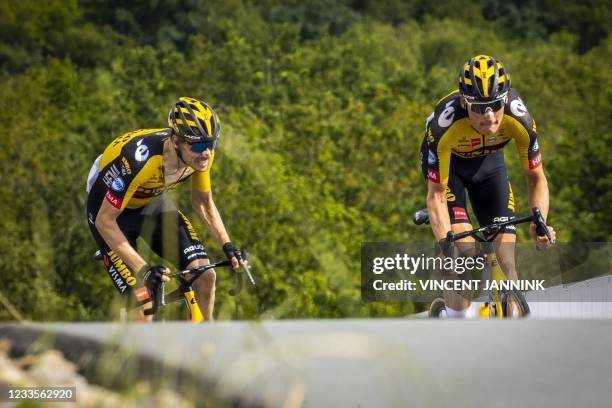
x=164 y=228
x=486 y=182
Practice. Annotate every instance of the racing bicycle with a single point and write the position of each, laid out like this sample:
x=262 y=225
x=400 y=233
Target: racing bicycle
x=185 y=292
x=499 y=303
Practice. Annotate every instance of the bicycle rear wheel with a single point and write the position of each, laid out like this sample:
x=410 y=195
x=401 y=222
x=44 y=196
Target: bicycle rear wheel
x=514 y=305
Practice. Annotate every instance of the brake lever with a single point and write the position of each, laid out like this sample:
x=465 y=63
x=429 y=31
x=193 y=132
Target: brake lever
x=247 y=269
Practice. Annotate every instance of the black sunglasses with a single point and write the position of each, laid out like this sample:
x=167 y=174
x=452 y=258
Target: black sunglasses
x=481 y=107
x=201 y=146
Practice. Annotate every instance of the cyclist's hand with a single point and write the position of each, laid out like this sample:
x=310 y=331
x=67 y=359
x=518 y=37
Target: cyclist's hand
x=541 y=241
x=234 y=254
x=447 y=247
x=153 y=276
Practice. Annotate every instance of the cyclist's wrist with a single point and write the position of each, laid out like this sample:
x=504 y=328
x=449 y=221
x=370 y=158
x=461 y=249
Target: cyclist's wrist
x=231 y=251
x=142 y=271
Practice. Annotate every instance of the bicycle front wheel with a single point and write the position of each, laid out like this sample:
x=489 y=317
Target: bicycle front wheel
x=514 y=305
x=437 y=309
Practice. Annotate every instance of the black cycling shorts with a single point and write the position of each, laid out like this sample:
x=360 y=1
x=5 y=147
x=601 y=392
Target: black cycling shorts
x=162 y=226
x=486 y=182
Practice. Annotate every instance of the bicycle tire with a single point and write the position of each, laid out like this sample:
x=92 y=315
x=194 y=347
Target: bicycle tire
x=436 y=308
x=516 y=298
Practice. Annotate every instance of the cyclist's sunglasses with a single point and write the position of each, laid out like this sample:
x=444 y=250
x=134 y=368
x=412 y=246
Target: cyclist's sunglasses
x=481 y=107
x=201 y=146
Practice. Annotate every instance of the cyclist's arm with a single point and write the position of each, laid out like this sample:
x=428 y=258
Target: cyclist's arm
x=106 y=224
x=538 y=190
x=437 y=208
x=204 y=206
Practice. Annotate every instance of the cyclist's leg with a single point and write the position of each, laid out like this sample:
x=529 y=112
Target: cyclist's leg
x=172 y=236
x=493 y=201
x=122 y=277
x=458 y=303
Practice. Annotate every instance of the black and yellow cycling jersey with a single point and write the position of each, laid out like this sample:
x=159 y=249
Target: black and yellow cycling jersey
x=130 y=176
x=448 y=132
x=130 y=172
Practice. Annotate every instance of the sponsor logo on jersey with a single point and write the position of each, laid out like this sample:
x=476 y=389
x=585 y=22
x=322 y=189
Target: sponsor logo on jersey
x=430 y=136
x=459 y=213
x=118 y=184
x=113 y=199
x=111 y=174
x=433 y=175
x=149 y=192
x=126 y=166
x=431 y=159
x=535 y=161
x=517 y=107
x=492 y=139
x=477 y=153
x=535 y=146
x=447 y=116
x=475 y=141
x=190 y=229
x=142 y=151
x=122 y=269
x=449 y=195
x=119 y=283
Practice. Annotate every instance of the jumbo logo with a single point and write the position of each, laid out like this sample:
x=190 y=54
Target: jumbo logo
x=123 y=270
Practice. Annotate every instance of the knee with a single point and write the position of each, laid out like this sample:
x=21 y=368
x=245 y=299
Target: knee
x=206 y=282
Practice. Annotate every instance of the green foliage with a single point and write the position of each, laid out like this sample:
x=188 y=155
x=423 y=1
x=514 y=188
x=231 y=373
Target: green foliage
x=322 y=104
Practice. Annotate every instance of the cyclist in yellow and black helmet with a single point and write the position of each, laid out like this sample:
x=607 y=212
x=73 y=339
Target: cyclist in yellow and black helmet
x=126 y=187
x=462 y=154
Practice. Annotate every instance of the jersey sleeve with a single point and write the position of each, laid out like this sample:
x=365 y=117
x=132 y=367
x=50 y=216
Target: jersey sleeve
x=524 y=131
x=126 y=169
x=201 y=179
x=439 y=147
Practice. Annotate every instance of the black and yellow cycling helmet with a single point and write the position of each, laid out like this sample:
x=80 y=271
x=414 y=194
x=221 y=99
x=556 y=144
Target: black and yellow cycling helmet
x=194 y=121
x=483 y=79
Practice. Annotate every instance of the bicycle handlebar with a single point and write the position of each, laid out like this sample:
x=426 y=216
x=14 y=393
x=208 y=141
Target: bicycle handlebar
x=196 y=272
x=493 y=229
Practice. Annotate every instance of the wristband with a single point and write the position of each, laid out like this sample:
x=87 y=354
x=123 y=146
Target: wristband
x=229 y=250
